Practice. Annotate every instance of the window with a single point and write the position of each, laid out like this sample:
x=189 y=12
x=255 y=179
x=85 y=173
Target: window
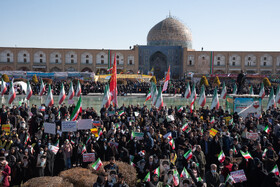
x=118 y=57
x=233 y=63
x=233 y=58
x=24 y=55
x=130 y=62
x=41 y=60
x=8 y=59
x=56 y=60
x=218 y=63
x=249 y=58
x=118 y=62
x=203 y=58
x=56 y=56
x=72 y=61
x=41 y=55
x=87 y=61
x=24 y=60
x=102 y=56
x=8 y=54
x=190 y=62
x=264 y=63
x=218 y=58
x=102 y=61
x=264 y=58
x=87 y=56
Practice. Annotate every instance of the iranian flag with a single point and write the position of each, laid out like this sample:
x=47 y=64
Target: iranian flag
x=121 y=113
x=193 y=98
x=42 y=88
x=100 y=132
x=202 y=97
x=62 y=94
x=266 y=129
x=57 y=143
x=264 y=153
x=229 y=179
x=149 y=96
x=215 y=100
x=154 y=92
x=97 y=165
x=271 y=101
x=212 y=121
x=106 y=98
x=71 y=92
x=49 y=100
x=132 y=164
x=262 y=91
x=29 y=91
x=176 y=177
x=159 y=101
x=72 y=142
x=79 y=89
x=172 y=143
x=3 y=87
x=275 y=170
x=113 y=84
x=221 y=156
x=188 y=155
x=185 y=127
x=251 y=92
x=167 y=78
x=12 y=93
x=84 y=149
x=27 y=139
x=246 y=155
x=77 y=110
x=188 y=91
x=224 y=91
x=277 y=95
x=157 y=172
x=88 y=139
x=180 y=109
x=234 y=89
x=147 y=177
x=185 y=174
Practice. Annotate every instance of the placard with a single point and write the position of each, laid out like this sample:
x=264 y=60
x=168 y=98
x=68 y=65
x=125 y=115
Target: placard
x=252 y=135
x=96 y=123
x=69 y=126
x=6 y=128
x=84 y=124
x=213 y=132
x=238 y=176
x=49 y=128
x=170 y=118
x=89 y=157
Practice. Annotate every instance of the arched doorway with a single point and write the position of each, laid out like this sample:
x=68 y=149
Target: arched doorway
x=158 y=62
x=86 y=70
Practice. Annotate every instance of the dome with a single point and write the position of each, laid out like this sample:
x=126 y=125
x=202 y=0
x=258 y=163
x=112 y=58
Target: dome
x=170 y=32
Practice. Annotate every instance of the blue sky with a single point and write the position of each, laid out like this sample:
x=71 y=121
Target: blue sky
x=239 y=25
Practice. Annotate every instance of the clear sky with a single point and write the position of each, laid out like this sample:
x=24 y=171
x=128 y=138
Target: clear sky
x=238 y=25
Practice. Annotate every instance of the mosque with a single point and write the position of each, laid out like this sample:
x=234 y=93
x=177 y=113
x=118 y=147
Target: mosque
x=169 y=43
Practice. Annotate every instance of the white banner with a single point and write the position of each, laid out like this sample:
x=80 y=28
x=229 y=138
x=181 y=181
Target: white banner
x=50 y=128
x=84 y=124
x=69 y=126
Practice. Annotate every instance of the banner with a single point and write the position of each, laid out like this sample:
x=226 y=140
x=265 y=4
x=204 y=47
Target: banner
x=69 y=126
x=247 y=106
x=84 y=124
x=238 y=176
x=50 y=128
x=89 y=157
x=252 y=135
x=6 y=128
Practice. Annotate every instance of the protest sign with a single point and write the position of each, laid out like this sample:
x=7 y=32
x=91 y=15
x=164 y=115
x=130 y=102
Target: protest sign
x=6 y=128
x=238 y=176
x=84 y=124
x=69 y=126
x=94 y=131
x=213 y=132
x=96 y=123
x=170 y=118
x=252 y=135
x=49 y=128
x=137 y=135
x=89 y=157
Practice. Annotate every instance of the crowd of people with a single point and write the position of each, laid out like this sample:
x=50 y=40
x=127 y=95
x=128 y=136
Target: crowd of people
x=25 y=150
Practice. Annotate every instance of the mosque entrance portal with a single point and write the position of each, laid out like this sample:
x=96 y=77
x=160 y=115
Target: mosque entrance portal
x=158 y=63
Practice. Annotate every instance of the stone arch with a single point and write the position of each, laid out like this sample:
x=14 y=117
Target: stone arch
x=23 y=57
x=7 y=56
x=71 y=57
x=86 y=58
x=55 y=58
x=23 y=68
x=87 y=69
x=158 y=62
x=55 y=69
x=102 y=58
x=7 y=68
x=39 y=57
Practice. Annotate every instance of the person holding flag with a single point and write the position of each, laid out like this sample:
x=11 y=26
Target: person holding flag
x=167 y=78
